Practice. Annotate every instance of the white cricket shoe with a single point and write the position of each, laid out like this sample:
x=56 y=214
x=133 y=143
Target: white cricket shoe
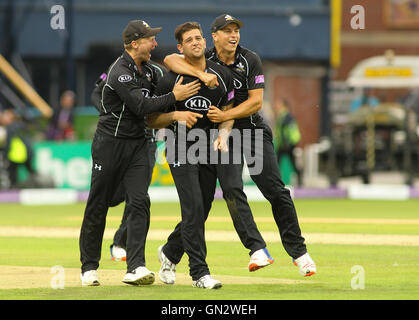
x=167 y=273
x=89 y=279
x=140 y=275
x=259 y=259
x=207 y=282
x=118 y=253
x=305 y=264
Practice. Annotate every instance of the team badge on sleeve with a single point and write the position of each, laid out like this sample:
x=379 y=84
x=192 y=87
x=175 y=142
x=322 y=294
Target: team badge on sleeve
x=260 y=79
x=231 y=95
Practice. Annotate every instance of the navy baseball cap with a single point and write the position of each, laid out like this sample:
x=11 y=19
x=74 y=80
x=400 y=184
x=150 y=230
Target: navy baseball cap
x=137 y=29
x=223 y=20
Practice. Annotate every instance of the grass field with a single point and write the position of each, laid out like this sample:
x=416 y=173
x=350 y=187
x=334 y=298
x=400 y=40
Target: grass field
x=380 y=238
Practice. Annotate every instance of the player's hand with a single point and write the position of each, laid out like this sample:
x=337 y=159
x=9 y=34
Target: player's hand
x=221 y=143
x=216 y=115
x=209 y=79
x=187 y=118
x=183 y=91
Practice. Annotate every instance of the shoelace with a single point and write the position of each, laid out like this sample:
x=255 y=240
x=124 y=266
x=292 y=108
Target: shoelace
x=202 y=282
x=168 y=266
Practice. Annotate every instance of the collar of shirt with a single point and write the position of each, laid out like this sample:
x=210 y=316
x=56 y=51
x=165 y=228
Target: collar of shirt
x=131 y=63
x=214 y=53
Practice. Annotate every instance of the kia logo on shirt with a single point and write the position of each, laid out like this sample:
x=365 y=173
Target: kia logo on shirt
x=124 y=78
x=198 y=103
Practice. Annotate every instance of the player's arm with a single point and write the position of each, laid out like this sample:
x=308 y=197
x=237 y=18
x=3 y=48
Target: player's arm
x=224 y=130
x=256 y=84
x=134 y=100
x=162 y=120
x=96 y=96
x=158 y=120
x=178 y=64
x=252 y=105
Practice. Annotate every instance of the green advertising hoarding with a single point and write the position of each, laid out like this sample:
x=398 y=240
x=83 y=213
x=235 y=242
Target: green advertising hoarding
x=70 y=164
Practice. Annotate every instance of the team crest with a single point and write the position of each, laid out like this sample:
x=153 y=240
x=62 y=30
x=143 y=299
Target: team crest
x=240 y=67
x=228 y=18
x=146 y=24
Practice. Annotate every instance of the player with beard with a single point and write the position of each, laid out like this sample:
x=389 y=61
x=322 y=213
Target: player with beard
x=194 y=173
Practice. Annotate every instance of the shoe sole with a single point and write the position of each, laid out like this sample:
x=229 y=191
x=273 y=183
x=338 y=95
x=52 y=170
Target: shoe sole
x=254 y=266
x=308 y=274
x=215 y=287
x=119 y=259
x=94 y=284
x=145 y=280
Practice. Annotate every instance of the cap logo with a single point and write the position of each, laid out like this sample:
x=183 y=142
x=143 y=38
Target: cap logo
x=228 y=18
x=146 y=24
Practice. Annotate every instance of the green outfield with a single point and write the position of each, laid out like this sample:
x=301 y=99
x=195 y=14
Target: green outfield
x=375 y=243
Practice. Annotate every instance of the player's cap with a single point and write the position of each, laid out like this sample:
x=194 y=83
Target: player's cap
x=137 y=29
x=223 y=20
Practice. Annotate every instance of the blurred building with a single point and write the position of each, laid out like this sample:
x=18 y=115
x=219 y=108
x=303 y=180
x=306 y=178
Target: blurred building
x=389 y=25
x=292 y=38
x=367 y=29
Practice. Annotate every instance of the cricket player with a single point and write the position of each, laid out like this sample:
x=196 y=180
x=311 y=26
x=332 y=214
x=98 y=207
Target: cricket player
x=153 y=73
x=193 y=173
x=120 y=155
x=246 y=69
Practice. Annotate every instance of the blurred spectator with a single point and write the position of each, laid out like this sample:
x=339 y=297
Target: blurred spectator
x=17 y=150
x=368 y=98
x=287 y=135
x=411 y=100
x=61 y=127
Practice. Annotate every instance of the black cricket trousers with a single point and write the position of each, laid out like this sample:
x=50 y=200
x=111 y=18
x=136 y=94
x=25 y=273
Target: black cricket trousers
x=189 y=234
x=269 y=182
x=120 y=237
x=116 y=161
x=229 y=176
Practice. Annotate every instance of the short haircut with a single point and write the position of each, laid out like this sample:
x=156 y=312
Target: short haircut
x=185 y=27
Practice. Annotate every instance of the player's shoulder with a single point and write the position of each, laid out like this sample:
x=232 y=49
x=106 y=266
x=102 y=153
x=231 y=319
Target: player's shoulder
x=248 y=54
x=169 y=79
x=210 y=53
x=120 y=70
x=157 y=68
x=218 y=68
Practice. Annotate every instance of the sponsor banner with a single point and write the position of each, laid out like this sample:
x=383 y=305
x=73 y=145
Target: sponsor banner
x=69 y=164
x=47 y=196
x=379 y=192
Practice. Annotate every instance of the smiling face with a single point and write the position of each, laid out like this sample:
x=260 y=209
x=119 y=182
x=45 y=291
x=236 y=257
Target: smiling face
x=193 y=44
x=142 y=48
x=227 y=39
